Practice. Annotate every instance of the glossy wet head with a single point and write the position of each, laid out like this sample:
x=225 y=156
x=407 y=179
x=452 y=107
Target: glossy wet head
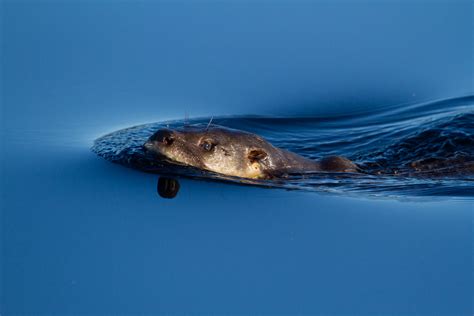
x=217 y=149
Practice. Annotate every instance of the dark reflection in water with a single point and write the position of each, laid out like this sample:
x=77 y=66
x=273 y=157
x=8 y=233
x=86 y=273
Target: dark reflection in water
x=167 y=187
x=413 y=150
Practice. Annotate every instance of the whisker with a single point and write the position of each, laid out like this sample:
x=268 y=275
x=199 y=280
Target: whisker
x=186 y=118
x=209 y=124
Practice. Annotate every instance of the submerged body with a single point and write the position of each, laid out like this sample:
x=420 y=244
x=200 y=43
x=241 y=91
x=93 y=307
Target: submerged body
x=236 y=153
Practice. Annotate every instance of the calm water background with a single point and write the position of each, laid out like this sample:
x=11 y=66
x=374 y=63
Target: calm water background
x=82 y=235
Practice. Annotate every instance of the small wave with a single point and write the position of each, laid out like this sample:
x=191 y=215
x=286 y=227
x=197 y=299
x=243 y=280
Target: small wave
x=413 y=150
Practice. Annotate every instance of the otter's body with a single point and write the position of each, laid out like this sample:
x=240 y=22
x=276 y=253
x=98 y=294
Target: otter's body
x=236 y=153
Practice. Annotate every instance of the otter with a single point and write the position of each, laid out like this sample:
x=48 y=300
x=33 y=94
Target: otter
x=236 y=153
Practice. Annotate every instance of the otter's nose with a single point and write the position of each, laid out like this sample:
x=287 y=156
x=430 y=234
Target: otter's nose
x=163 y=136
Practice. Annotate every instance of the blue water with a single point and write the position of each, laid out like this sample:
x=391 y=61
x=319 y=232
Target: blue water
x=82 y=235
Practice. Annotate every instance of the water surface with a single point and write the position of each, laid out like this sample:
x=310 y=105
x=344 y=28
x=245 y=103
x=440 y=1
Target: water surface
x=81 y=235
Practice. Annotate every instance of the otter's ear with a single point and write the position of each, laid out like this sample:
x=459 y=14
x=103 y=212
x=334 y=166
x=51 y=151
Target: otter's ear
x=256 y=155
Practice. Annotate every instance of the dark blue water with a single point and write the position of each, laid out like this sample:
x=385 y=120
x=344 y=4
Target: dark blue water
x=383 y=83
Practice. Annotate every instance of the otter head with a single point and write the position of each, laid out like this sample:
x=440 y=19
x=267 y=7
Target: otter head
x=217 y=149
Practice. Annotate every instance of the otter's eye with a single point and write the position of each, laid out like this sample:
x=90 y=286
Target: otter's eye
x=207 y=146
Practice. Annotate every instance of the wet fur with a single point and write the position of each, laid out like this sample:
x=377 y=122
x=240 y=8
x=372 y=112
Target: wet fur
x=236 y=153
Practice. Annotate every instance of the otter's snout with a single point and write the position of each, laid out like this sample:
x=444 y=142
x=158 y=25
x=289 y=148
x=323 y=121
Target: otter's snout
x=162 y=137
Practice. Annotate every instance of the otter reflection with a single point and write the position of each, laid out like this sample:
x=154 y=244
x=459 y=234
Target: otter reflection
x=167 y=187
